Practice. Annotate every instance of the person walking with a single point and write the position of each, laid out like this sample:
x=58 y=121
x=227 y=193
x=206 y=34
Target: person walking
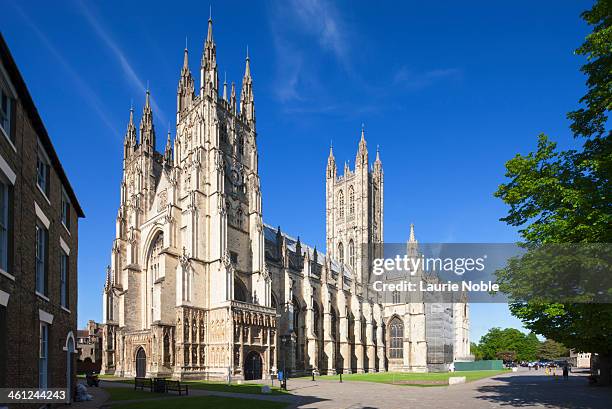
x=565 y=372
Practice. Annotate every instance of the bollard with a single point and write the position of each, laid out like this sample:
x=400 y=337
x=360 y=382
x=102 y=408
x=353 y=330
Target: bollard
x=313 y=376
x=340 y=377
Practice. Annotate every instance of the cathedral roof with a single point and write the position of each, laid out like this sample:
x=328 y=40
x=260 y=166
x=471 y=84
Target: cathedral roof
x=271 y=235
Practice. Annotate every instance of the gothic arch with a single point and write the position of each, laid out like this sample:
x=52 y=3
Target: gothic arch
x=240 y=290
x=351 y=253
x=151 y=238
x=351 y=200
x=341 y=253
x=316 y=318
x=69 y=336
x=341 y=203
x=395 y=337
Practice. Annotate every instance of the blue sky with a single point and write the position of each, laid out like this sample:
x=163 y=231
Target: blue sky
x=449 y=90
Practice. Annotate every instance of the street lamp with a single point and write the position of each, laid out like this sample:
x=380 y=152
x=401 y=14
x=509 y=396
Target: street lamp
x=284 y=340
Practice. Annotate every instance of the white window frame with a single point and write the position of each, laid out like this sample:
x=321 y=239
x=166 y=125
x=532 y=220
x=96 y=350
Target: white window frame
x=5 y=83
x=65 y=211
x=42 y=157
x=7 y=177
x=42 y=227
x=64 y=271
x=43 y=355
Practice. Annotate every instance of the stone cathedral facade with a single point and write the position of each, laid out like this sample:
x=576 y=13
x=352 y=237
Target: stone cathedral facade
x=200 y=287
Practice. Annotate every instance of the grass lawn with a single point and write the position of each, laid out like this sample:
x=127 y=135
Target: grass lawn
x=419 y=379
x=119 y=393
x=203 y=402
x=224 y=387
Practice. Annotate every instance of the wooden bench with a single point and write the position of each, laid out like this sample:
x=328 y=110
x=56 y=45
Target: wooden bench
x=143 y=383
x=175 y=386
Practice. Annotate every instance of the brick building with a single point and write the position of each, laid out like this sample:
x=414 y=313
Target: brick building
x=39 y=215
x=89 y=348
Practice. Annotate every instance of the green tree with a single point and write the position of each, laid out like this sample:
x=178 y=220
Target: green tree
x=508 y=343
x=564 y=197
x=475 y=349
x=551 y=349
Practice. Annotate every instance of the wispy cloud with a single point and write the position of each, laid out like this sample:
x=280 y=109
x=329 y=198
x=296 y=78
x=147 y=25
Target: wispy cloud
x=321 y=19
x=130 y=74
x=294 y=20
x=88 y=94
x=410 y=79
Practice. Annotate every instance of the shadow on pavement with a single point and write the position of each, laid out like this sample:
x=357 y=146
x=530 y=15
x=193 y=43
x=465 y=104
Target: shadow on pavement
x=547 y=391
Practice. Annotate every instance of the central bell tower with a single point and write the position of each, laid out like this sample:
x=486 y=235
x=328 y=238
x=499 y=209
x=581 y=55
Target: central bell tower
x=354 y=211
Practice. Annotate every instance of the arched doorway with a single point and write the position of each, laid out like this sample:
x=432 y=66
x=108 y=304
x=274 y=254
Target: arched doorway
x=141 y=363
x=252 y=366
x=69 y=359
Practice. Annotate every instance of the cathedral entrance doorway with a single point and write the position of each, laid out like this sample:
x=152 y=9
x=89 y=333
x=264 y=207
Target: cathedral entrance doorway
x=252 y=366
x=141 y=363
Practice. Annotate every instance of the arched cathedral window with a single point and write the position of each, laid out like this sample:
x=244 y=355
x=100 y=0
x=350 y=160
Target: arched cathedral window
x=352 y=253
x=316 y=317
x=341 y=253
x=239 y=217
x=153 y=269
x=156 y=249
x=341 y=204
x=167 y=349
x=240 y=291
x=351 y=201
x=334 y=325
x=396 y=339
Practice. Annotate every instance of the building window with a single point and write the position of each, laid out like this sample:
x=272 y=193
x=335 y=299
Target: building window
x=63 y=279
x=42 y=238
x=42 y=172
x=396 y=297
x=3 y=346
x=167 y=349
x=5 y=204
x=396 y=339
x=352 y=253
x=7 y=110
x=341 y=204
x=316 y=317
x=65 y=211
x=156 y=249
x=341 y=253
x=43 y=355
x=351 y=201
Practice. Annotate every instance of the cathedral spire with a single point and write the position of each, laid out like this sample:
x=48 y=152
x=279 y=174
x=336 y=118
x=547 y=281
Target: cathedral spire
x=208 y=68
x=130 y=142
x=247 y=101
x=377 y=162
x=168 y=151
x=147 y=129
x=362 y=152
x=412 y=242
x=186 y=87
x=233 y=97
x=225 y=87
x=331 y=163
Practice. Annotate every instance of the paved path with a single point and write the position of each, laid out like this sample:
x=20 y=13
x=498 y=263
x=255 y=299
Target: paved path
x=524 y=389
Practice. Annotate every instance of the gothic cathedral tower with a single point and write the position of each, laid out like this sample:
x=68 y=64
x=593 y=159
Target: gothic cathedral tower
x=354 y=212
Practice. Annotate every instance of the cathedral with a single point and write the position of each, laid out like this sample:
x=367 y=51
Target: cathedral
x=200 y=287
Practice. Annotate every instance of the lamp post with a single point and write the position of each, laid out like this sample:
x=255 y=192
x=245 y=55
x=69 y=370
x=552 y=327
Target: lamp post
x=284 y=340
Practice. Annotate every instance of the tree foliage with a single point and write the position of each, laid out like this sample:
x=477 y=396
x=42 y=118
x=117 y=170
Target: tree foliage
x=564 y=197
x=508 y=344
x=550 y=349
